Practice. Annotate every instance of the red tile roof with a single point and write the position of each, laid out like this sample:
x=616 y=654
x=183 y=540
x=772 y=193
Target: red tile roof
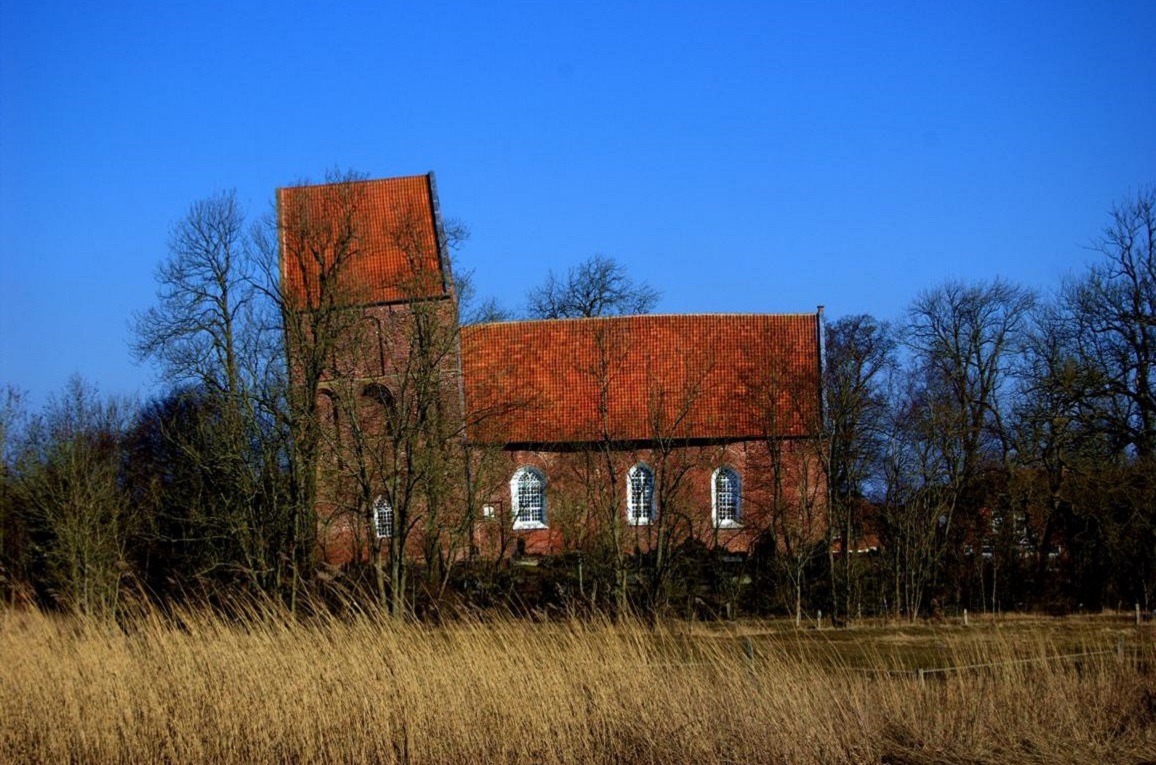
x=385 y=231
x=629 y=378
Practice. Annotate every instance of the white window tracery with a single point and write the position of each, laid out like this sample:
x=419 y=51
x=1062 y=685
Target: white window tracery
x=640 y=495
x=528 y=498
x=726 y=497
x=382 y=518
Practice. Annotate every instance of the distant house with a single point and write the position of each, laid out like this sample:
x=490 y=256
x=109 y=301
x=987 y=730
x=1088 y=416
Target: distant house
x=535 y=437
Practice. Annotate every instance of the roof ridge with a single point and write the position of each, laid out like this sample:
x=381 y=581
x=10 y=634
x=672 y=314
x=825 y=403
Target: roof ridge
x=644 y=316
x=306 y=184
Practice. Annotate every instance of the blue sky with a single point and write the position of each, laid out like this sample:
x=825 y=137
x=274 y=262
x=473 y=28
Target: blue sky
x=739 y=156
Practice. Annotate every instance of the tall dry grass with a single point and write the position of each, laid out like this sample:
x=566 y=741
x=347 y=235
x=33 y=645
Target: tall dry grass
x=195 y=688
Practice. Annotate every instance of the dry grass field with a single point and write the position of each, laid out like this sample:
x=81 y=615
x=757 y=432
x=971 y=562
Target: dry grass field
x=195 y=688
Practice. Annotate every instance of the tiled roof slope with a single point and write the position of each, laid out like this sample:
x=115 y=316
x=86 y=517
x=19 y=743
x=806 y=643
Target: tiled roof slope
x=386 y=231
x=725 y=376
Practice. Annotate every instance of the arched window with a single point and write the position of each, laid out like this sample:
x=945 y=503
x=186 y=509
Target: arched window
x=382 y=518
x=640 y=495
x=378 y=393
x=726 y=496
x=380 y=417
x=528 y=498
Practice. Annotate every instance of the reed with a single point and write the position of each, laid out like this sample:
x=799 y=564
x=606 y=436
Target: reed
x=193 y=687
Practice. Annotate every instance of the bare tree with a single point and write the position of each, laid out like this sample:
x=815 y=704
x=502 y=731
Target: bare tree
x=1086 y=418
x=305 y=250
x=949 y=424
x=199 y=330
x=206 y=334
x=964 y=337
x=1056 y=429
x=598 y=286
x=789 y=470
x=1111 y=330
x=396 y=447
x=860 y=354
x=488 y=310
x=597 y=468
x=672 y=459
x=918 y=499
x=609 y=362
x=425 y=452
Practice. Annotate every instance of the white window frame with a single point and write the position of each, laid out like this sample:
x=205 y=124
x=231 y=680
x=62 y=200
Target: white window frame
x=737 y=500
x=539 y=520
x=635 y=515
x=382 y=518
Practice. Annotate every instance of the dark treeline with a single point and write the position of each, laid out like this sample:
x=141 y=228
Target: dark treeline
x=992 y=449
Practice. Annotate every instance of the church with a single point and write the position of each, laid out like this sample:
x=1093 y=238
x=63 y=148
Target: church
x=531 y=438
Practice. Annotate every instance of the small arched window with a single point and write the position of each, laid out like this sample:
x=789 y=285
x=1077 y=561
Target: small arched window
x=382 y=518
x=528 y=498
x=640 y=495
x=726 y=497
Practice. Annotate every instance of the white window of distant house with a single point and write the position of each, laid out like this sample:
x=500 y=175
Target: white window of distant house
x=640 y=495
x=528 y=497
x=726 y=495
x=382 y=518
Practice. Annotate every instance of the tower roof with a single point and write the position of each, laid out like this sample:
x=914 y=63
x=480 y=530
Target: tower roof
x=362 y=242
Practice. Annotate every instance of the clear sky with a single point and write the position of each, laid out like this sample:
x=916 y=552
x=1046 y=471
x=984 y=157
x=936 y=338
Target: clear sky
x=739 y=156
